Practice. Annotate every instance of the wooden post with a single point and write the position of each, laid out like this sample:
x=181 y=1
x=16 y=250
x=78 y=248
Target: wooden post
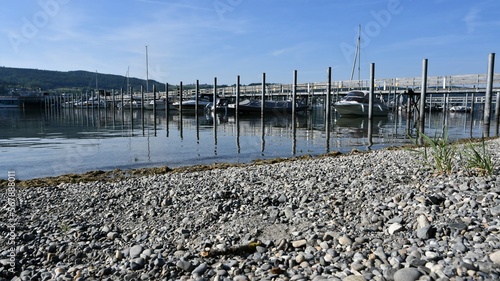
x=167 y=102
x=237 y=105
x=214 y=102
x=180 y=98
x=488 y=96
x=294 y=92
x=328 y=102
x=372 y=90
x=263 y=94
x=423 y=93
x=197 y=93
x=370 y=104
x=328 y=108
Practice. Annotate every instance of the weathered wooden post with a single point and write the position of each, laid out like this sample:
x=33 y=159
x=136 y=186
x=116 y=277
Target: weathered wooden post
x=263 y=94
x=197 y=93
x=294 y=93
x=167 y=102
x=423 y=93
x=180 y=98
x=214 y=112
x=488 y=96
x=328 y=108
x=237 y=104
x=370 y=104
x=214 y=102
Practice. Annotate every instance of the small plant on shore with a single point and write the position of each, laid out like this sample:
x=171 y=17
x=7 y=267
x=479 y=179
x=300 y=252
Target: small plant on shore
x=478 y=159
x=64 y=227
x=438 y=153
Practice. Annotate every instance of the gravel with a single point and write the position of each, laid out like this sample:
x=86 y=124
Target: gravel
x=379 y=215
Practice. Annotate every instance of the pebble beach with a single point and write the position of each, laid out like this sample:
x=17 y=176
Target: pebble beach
x=378 y=215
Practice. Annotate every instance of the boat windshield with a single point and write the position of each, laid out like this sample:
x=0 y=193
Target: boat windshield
x=356 y=96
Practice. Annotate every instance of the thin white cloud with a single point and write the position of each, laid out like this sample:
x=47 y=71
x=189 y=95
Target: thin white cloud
x=471 y=19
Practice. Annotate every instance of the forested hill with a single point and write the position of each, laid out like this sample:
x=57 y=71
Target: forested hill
x=48 y=80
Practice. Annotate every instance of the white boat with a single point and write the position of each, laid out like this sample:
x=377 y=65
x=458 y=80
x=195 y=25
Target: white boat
x=460 y=108
x=92 y=102
x=127 y=104
x=221 y=105
x=355 y=103
x=190 y=104
x=271 y=106
x=160 y=104
x=9 y=102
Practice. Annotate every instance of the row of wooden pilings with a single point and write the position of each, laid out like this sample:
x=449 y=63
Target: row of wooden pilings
x=328 y=99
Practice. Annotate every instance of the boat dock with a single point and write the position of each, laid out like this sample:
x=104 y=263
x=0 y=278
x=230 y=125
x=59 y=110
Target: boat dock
x=455 y=88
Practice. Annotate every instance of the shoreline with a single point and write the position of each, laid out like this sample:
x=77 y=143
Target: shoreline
x=364 y=216
x=122 y=174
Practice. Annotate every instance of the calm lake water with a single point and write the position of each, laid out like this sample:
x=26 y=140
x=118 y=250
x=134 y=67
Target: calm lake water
x=61 y=141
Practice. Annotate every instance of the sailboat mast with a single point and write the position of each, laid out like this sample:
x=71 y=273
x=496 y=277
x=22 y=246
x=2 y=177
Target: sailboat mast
x=357 y=56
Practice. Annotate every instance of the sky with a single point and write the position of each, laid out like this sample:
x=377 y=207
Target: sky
x=189 y=40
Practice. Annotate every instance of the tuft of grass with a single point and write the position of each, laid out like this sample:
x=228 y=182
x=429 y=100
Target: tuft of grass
x=438 y=153
x=478 y=159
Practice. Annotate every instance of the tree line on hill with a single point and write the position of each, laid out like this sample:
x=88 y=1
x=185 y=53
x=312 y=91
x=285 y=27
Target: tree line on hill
x=77 y=81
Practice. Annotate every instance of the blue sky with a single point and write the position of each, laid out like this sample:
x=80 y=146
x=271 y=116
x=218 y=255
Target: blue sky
x=202 y=39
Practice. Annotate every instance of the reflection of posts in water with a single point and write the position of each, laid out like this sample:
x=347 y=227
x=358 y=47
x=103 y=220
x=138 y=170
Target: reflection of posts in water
x=488 y=95
x=237 y=121
x=370 y=133
x=180 y=125
x=262 y=135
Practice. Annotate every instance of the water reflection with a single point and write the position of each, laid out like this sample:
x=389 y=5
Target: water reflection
x=53 y=142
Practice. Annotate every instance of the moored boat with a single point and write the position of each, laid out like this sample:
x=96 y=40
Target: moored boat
x=159 y=104
x=190 y=104
x=460 y=108
x=356 y=103
x=271 y=106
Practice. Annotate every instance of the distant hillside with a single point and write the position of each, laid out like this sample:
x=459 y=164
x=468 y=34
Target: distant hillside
x=48 y=80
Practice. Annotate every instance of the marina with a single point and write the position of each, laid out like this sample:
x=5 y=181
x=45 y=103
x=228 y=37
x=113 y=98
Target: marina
x=55 y=134
x=61 y=140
